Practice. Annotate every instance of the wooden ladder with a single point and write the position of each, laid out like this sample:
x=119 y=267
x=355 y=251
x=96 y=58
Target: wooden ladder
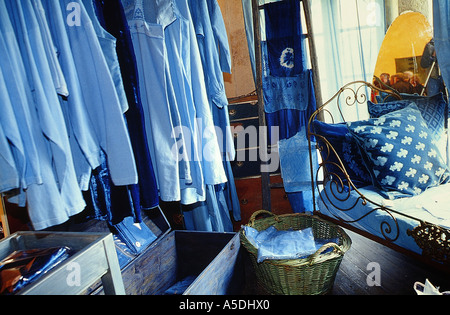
x=267 y=186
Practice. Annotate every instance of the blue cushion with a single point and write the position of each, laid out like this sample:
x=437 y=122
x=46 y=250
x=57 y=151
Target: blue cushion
x=432 y=109
x=347 y=149
x=399 y=151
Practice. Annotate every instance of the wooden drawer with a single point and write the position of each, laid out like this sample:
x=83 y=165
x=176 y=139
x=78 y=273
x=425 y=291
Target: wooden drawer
x=243 y=110
x=250 y=196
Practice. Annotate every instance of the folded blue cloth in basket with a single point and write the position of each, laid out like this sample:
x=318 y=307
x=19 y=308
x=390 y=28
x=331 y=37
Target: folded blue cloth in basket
x=279 y=245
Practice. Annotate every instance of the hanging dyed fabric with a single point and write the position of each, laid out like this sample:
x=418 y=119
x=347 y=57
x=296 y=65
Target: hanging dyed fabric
x=284 y=38
x=180 y=80
x=112 y=18
x=288 y=89
x=216 y=59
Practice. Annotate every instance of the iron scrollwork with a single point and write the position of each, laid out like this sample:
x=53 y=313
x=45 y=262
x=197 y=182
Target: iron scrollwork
x=341 y=187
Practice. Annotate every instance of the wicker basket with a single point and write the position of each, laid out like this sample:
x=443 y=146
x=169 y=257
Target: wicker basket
x=314 y=275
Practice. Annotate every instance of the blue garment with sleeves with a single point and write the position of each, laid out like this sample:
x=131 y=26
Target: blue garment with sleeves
x=20 y=95
x=108 y=44
x=9 y=178
x=148 y=43
x=12 y=165
x=112 y=17
x=63 y=198
x=216 y=59
x=100 y=98
x=84 y=141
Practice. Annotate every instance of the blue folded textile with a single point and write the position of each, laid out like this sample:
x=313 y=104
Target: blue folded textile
x=25 y=267
x=137 y=236
x=180 y=287
x=285 y=245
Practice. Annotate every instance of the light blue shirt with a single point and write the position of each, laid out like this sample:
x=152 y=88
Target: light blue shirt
x=108 y=44
x=148 y=42
x=12 y=165
x=58 y=197
x=20 y=94
x=84 y=142
x=100 y=97
x=9 y=178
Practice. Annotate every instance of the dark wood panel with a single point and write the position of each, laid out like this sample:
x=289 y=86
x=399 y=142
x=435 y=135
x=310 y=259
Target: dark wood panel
x=250 y=196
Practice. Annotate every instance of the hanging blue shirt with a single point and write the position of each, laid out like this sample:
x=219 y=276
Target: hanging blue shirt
x=100 y=98
x=63 y=198
x=20 y=94
x=213 y=169
x=83 y=139
x=9 y=178
x=52 y=56
x=108 y=44
x=13 y=165
x=51 y=119
x=148 y=42
x=112 y=17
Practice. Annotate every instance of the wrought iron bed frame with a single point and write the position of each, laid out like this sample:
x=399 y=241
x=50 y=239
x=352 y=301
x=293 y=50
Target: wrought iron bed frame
x=432 y=239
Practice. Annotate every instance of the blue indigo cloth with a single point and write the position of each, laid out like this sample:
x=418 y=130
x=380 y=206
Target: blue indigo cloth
x=441 y=18
x=284 y=38
x=279 y=245
x=400 y=153
x=346 y=149
x=100 y=96
x=83 y=139
x=293 y=153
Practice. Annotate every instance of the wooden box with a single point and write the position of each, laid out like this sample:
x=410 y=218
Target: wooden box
x=93 y=258
x=214 y=259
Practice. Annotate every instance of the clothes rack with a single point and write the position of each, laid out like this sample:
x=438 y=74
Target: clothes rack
x=267 y=186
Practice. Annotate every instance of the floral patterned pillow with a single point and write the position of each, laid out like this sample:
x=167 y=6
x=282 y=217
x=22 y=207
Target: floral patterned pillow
x=432 y=109
x=400 y=152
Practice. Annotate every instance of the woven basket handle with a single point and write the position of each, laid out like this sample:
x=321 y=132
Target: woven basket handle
x=312 y=259
x=258 y=213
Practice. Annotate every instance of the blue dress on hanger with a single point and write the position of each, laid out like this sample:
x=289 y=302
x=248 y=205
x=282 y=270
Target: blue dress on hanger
x=216 y=59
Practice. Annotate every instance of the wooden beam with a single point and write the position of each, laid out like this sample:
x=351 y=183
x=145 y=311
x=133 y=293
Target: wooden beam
x=265 y=177
x=4 y=218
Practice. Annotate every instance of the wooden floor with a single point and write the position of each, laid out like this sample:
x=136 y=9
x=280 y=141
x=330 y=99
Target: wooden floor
x=398 y=272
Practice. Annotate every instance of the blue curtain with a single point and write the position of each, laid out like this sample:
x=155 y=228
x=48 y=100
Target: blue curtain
x=348 y=36
x=441 y=16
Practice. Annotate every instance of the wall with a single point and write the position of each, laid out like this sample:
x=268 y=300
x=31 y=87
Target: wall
x=241 y=81
x=395 y=7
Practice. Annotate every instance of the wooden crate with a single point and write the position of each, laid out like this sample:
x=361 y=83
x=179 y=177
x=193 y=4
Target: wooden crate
x=214 y=259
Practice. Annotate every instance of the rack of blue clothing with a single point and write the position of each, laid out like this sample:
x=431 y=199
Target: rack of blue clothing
x=108 y=107
x=287 y=89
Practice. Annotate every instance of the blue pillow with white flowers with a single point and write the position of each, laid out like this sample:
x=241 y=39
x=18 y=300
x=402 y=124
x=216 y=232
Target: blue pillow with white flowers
x=432 y=109
x=399 y=152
